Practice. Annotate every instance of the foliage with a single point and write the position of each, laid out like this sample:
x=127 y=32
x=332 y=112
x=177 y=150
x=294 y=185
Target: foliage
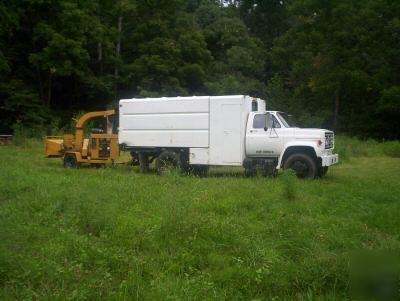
x=117 y=234
x=337 y=60
x=334 y=64
x=349 y=148
x=22 y=103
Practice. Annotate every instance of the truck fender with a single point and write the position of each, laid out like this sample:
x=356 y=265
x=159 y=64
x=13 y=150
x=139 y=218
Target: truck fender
x=288 y=145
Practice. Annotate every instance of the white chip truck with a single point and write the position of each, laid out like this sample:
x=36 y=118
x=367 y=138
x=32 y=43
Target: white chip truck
x=193 y=133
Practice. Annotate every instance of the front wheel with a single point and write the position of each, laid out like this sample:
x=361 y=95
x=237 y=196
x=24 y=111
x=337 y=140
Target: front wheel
x=303 y=165
x=143 y=163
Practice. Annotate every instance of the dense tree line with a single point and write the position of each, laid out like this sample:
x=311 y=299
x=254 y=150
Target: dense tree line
x=334 y=64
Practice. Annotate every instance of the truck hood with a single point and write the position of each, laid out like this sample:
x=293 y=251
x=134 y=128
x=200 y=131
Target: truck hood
x=301 y=133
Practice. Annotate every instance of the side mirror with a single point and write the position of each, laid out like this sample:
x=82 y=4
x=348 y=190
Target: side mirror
x=268 y=122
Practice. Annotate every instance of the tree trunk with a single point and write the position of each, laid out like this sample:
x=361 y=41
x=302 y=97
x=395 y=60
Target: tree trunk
x=118 y=47
x=49 y=89
x=117 y=54
x=99 y=44
x=336 y=111
x=100 y=56
x=41 y=90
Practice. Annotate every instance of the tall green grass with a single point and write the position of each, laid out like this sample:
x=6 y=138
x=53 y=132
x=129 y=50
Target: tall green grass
x=116 y=234
x=348 y=147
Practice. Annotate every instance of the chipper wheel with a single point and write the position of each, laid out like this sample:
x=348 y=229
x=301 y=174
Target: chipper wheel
x=70 y=161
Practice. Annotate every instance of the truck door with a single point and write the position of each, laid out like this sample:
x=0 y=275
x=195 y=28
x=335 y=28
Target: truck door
x=261 y=142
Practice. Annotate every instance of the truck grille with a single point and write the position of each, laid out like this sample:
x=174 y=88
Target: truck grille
x=329 y=140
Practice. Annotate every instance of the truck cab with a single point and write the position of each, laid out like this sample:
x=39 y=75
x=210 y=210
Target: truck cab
x=275 y=142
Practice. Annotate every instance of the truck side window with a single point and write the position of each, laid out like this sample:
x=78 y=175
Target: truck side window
x=275 y=122
x=259 y=121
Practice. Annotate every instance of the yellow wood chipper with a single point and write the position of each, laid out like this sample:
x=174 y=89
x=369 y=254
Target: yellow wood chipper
x=99 y=148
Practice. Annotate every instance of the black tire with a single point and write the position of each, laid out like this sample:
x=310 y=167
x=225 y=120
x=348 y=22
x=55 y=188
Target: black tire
x=184 y=163
x=70 y=161
x=269 y=169
x=322 y=170
x=143 y=163
x=167 y=161
x=303 y=165
x=250 y=172
x=199 y=170
x=135 y=159
x=269 y=173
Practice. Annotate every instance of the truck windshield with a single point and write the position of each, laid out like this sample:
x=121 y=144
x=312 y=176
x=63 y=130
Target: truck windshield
x=287 y=120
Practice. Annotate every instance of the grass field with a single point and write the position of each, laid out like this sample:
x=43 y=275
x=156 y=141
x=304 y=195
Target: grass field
x=115 y=234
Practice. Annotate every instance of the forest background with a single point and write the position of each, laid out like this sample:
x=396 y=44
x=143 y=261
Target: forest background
x=332 y=64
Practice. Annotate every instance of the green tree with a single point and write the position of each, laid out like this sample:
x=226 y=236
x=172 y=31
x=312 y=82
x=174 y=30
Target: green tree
x=332 y=63
x=171 y=56
x=238 y=66
x=337 y=58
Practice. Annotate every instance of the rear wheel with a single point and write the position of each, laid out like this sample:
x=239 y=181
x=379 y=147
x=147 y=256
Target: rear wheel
x=267 y=172
x=250 y=168
x=199 y=170
x=143 y=162
x=303 y=165
x=135 y=159
x=184 y=163
x=250 y=171
x=70 y=161
x=167 y=161
x=269 y=168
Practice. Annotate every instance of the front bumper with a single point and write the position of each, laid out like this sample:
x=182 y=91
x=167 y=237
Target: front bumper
x=328 y=160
